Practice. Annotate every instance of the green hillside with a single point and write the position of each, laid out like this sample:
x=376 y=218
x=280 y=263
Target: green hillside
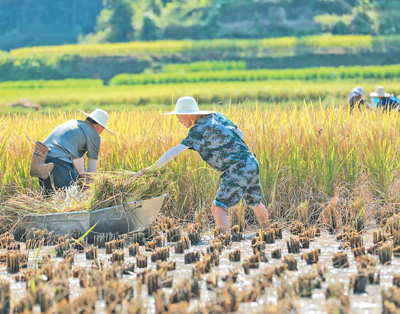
x=49 y=22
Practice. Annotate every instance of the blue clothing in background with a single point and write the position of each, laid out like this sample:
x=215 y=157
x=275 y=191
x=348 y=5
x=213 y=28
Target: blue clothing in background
x=389 y=103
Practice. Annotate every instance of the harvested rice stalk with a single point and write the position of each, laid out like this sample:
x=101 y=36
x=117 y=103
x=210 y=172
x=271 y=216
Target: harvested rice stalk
x=304 y=242
x=128 y=269
x=160 y=241
x=259 y=247
x=358 y=251
x=293 y=245
x=237 y=235
x=379 y=236
x=224 y=238
x=149 y=246
x=92 y=252
x=192 y=257
x=234 y=256
x=182 y=245
x=338 y=301
x=117 y=256
x=330 y=215
x=174 y=235
x=230 y=277
x=340 y=260
x=254 y=261
x=356 y=240
x=220 y=230
x=137 y=237
x=161 y=254
x=5 y=295
x=374 y=276
x=385 y=254
x=152 y=281
x=358 y=282
x=133 y=249
x=276 y=254
x=268 y=236
x=365 y=261
x=312 y=256
x=215 y=247
x=168 y=265
x=141 y=261
x=297 y=228
x=290 y=262
x=277 y=229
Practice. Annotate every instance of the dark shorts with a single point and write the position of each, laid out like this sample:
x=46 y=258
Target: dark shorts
x=241 y=180
x=62 y=176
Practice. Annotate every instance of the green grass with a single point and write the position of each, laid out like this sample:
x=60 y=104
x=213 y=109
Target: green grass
x=203 y=46
x=306 y=74
x=204 y=66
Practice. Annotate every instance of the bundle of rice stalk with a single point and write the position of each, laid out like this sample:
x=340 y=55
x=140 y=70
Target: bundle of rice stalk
x=31 y=203
x=105 y=191
x=111 y=189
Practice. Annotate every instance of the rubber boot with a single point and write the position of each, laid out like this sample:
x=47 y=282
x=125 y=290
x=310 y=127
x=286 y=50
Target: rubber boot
x=39 y=168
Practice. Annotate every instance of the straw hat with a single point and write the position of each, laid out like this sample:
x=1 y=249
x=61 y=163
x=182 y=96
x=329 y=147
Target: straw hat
x=358 y=90
x=100 y=116
x=380 y=92
x=185 y=106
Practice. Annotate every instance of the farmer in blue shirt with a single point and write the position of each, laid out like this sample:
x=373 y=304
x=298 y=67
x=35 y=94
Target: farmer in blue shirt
x=54 y=161
x=383 y=100
x=220 y=144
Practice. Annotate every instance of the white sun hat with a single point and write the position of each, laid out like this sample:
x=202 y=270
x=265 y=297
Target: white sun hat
x=380 y=92
x=185 y=106
x=359 y=90
x=100 y=116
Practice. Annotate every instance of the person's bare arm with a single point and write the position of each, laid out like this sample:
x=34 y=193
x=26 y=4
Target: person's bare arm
x=166 y=158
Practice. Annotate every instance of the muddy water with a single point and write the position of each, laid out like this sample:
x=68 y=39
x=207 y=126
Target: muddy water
x=369 y=302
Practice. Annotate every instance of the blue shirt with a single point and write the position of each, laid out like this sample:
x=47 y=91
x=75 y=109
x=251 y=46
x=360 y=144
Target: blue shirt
x=389 y=103
x=72 y=139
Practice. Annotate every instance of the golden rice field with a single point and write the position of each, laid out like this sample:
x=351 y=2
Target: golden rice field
x=309 y=155
x=284 y=92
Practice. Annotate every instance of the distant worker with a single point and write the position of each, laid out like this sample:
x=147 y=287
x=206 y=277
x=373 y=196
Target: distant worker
x=356 y=98
x=53 y=160
x=220 y=143
x=383 y=100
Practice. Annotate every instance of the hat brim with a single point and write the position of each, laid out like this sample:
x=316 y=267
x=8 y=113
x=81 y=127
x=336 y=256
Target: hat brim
x=375 y=94
x=104 y=126
x=200 y=112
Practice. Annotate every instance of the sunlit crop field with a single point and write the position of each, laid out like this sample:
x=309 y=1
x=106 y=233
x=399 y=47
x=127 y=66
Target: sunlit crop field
x=192 y=46
x=91 y=94
x=310 y=154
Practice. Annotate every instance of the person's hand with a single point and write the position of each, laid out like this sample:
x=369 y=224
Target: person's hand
x=142 y=172
x=83 y=180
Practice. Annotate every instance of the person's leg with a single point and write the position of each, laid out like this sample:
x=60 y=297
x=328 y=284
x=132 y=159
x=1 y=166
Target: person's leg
x=230 y=193
x=252 y=195
x=220 y=216
x=262 y=214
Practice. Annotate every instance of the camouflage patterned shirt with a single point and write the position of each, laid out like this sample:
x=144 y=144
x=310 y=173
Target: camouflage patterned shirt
x=215 y=138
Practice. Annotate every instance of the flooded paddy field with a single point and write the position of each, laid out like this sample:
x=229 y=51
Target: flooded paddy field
x=171 y=270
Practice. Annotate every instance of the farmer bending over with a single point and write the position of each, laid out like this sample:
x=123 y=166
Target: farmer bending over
x=65 y=147
x=383 y=100
x=220 y=143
